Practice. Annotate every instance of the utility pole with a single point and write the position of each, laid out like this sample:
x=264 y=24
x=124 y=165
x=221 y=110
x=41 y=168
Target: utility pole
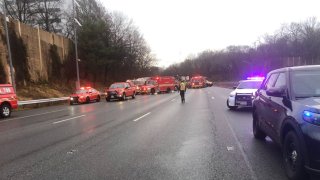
x=76 y=43
x=8 y=44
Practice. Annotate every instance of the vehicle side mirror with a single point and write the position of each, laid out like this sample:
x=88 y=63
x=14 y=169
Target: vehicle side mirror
x=276 y=92
x=234 y=87
x=127 y=88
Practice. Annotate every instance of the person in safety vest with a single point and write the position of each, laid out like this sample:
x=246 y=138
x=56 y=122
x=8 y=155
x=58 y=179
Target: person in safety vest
x=182 y=89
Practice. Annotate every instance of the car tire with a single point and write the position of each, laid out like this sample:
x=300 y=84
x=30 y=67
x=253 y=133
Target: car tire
x=134 y=95
x=71 y=103
x=168 y=90
x=124 y=97
x=98 y=99
x=5 y=110
x=257 y=132
x=293 y=157
x=231 y=107
x=87 y=100
x=153 y=91
x=108 y=99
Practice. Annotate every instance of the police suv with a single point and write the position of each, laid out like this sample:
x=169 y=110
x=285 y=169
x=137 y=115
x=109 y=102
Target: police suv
x=244 y=93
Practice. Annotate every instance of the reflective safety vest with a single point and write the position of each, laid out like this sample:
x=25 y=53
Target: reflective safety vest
x=182 y=86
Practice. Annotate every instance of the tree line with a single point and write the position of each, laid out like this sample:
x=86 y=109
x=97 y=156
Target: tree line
x=111 y=47
x=291 y=45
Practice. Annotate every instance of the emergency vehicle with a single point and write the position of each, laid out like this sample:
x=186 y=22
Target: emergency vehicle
x=85 y=95
x=244 y=93
x=120 y=91
x=164 y=83
x=198 y=82
x=150 y=87
x=135 y=87
x=8 y=100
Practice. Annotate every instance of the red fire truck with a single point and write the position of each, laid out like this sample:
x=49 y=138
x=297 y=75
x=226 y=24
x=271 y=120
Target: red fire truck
x=198 y=82
x=164 y=83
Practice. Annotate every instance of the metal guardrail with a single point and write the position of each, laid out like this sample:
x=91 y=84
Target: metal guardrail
x=39 y=101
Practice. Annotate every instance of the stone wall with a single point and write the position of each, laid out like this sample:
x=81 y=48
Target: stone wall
x=37 y=43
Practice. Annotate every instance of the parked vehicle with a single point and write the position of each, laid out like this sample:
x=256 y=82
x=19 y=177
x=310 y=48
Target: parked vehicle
x=164 y=83
x=150 y=87
x=287 y=109
x=120 y=91
x=243 y=94
x=8 y=100
x=136 y=88
x=198 y=82
x=209 y=83
x=85 y=95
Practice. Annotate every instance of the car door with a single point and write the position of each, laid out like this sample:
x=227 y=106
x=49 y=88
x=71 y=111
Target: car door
x=264 y=102
x=129 y=90
x=277 y=105
x=90 y=94
x=95 y=93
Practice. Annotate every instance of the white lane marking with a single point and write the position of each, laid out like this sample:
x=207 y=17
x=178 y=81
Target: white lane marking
x=253 y=174
x=142 y=117
x=230 y=148
x=33 y=115
x=173 y=99
x=68 y=119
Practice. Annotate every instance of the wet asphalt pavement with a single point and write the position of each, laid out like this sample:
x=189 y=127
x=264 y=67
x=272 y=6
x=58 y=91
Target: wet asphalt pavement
x=150 y=137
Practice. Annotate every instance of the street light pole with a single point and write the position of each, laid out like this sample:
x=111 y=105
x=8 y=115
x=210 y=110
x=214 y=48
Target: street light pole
x=76 y=44
x=8 y=44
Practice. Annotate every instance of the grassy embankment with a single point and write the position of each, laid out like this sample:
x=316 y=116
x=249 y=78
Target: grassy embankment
x=45 y=90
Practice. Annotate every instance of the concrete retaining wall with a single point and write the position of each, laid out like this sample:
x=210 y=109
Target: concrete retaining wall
x=38 y=44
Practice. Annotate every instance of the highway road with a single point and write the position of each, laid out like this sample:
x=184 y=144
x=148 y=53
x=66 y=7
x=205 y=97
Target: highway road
x=150 y=137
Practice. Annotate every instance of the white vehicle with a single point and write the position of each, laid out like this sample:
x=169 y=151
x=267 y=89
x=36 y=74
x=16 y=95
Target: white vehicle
x=244 y=93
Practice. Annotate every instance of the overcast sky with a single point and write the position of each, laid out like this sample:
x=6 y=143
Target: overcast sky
x=175 y=29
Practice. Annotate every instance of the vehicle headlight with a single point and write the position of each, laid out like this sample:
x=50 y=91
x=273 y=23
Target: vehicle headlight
x=71 y=98
x=81 y=97
x=149 y=88
x=311 y=117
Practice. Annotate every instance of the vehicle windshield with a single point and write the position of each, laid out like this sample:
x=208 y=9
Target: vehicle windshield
x=306 y=83
x=196 y=80
x=150 y=82
x=116 y=86
x=249 y=85
x=81 y=91
x=138 y=82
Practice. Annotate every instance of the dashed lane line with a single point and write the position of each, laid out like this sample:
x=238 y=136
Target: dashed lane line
x=68 y=119
x=141 y=117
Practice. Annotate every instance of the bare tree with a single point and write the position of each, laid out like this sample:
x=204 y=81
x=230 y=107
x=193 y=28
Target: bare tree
x=22 y=10
x=49 y=15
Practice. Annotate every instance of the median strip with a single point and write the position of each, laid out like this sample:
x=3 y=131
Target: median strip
x=68 y=119
x=142 y=117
